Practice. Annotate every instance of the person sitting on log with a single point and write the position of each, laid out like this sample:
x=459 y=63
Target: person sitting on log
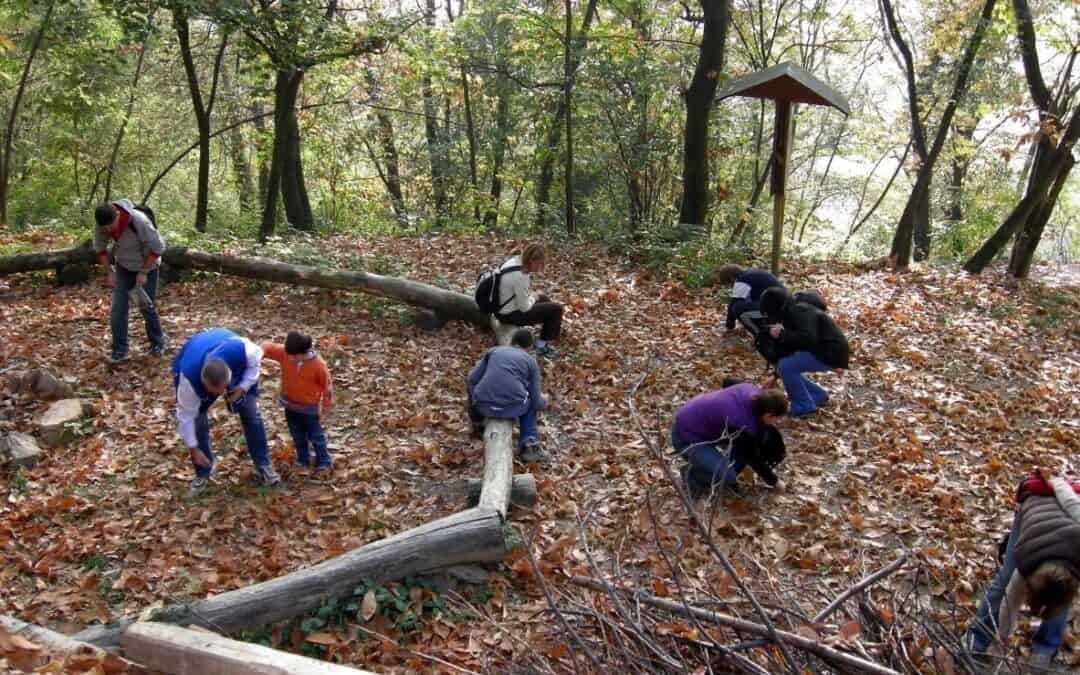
x=126 y=237
x=1040 y=567
x=747 y=285
x=505 y=384
x=720 y=432
x=306 y=392
x=211 y=363
x=809 y=340
x=517 y=304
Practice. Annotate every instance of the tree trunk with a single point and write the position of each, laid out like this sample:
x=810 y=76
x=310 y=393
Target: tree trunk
x=1027 y=239
x=286 y=177
x=918 y=207
x=238 y=151
x=447 y=304
x=568 y=93
x=202 y=111
x=265 y=159
x=699 y=101
x=123 y=122
x=391 y=173
x=921 y=235
x=475 y=535
x=431 y=130
x=498 y=152
x=13 y=115
x=550 y=149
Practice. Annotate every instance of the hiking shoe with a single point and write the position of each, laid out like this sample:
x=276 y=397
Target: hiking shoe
x=322 y=471
x=266 y=476
x=157 y=350
x=547 y=352
x=693 y=489
x=117 y=361
x=199 y=485
x=532 y=453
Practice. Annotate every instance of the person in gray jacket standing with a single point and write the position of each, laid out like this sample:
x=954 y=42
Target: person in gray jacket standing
x=505 y=384
x=126 y=238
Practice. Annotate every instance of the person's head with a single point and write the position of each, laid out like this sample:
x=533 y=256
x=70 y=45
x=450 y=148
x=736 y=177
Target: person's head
x=105 y=216
x=215 y=376
x=297 y=343
x=533 y=258
x=773 y=301
x=522 y=338
x=1051 y=588
x=771 y=445
x=768 y=406
x=726 y=274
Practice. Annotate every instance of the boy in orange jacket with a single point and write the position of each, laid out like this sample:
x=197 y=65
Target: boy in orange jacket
x=306 y=392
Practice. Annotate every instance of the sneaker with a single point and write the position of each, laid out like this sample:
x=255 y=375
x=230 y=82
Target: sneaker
x=802 y=413
x=547 y=352
x=116 y=361
x=266 y=476
x=322 y=470
x=157 y=351
x=532 y=453
x=198 y=485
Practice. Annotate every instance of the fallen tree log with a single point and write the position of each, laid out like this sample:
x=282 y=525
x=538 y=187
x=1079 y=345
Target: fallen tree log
x=179 y=651
x=445 y=303
x=498 y=465
x=522 y=490
x=798 y=641
x=69 y=652
x=475 y=535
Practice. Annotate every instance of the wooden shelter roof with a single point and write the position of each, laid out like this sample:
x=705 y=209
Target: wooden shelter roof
x=785 y=82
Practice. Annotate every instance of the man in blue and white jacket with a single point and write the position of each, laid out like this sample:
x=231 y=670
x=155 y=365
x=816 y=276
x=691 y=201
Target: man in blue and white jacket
x=212 y=363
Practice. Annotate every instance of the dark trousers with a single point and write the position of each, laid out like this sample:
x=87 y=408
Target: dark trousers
x=544 y=312
x=308 y=433
x=118 y=314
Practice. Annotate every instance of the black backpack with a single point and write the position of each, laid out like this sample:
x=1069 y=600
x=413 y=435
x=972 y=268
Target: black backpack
x=148 y=212
x=487 y=289
x=770 y=349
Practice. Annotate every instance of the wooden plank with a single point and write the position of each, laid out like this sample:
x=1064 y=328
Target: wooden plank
x=181 y=651
x=498 y=465
x=475 y=535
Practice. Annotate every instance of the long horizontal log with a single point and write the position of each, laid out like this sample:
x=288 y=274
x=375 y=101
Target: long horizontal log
x=446 y=304
x=797 y=641
x=173 y=650
x=58 y=644
x=475 y=535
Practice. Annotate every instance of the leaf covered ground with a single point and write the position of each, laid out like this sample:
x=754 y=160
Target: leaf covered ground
x=957 y=387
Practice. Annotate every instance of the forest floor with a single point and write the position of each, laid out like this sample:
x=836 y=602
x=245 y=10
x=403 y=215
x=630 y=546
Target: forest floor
x=957 y=387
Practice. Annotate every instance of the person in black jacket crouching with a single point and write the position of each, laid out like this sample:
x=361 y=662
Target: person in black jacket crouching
x=813 y=343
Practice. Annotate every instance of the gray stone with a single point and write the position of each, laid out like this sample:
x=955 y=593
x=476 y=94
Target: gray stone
x=19 y=450
x=57 y=423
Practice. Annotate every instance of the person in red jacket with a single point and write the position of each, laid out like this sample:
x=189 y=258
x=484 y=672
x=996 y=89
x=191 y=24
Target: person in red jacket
x=307 y=391
x=1040 y=567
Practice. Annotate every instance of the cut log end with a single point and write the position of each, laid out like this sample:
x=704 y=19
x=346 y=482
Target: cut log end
x=522 y=491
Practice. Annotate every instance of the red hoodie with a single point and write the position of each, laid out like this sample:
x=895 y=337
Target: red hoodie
x=1039 y=486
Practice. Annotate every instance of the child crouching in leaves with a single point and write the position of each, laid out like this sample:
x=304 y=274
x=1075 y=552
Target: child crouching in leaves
x=722 y=431
x=306 y=392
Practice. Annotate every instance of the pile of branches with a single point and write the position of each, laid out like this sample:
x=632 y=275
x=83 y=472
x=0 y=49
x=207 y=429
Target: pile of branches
x=618 y=619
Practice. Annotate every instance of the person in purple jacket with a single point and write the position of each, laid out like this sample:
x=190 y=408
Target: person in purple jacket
x=720 y=432
x=746 y=289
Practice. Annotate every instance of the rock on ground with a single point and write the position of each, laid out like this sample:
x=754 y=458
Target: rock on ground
x=19 y=450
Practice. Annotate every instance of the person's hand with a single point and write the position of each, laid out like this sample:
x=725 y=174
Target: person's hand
x=140 y=279
x=775 y=330
x=199 y=459
x=236 y=394
x=779 y=487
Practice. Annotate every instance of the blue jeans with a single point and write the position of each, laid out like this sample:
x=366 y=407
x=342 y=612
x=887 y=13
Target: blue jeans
x=307 y=431
x=529 y=431
x=118 y=314
x=983 y=631
x=804 y=395
x=708 y=465
x=251 y=421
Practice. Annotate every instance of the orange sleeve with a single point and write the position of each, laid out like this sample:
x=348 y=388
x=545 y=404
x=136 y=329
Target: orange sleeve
x=274 y=351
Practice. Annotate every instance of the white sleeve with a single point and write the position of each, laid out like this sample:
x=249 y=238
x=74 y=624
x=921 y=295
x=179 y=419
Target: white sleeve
x=740 y=291
x=1015 y=595
x=187 y=409
x=523 y=300
x=1066 y=497
x=254 y=354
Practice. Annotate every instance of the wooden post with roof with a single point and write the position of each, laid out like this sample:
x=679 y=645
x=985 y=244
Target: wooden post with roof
x=785 y=83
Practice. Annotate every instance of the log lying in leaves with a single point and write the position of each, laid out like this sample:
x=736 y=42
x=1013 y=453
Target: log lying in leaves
x=179 y=651
x=805 y=644
x=475 y=535
x=522 y=490
x=498 y=465
x=444 y=303
x=62 y=651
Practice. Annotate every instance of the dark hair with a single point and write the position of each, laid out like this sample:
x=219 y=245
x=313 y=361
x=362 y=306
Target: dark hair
x=522 y=337
x=1051 y=588
x=768 y=402
x=773 y=301
x=104 y=214
x=297 y=343
x=726 y=274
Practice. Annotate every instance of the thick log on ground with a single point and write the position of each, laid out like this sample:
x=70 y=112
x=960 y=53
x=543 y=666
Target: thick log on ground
x=475 y=535
x=522 y=490
x=446 y=304
x=179 y=651
x=72 y=651
x=498 y=465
